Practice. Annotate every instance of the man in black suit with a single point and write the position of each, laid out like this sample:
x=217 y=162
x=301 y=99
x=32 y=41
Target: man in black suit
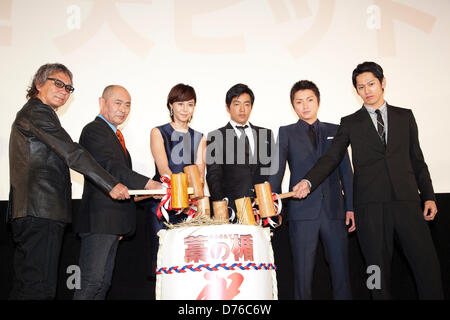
x=40 y=155
x=389 y=173
x=238 y=154
x=102 y=222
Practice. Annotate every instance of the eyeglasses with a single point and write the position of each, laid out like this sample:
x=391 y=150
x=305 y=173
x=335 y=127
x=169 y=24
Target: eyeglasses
x=60 y=84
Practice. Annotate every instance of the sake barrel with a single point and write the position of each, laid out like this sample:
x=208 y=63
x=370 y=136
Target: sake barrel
x=216 y=262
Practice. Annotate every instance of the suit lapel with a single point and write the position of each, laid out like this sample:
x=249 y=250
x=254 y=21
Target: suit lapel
x=304 y=137
x=226 y=136
x=371 y=131
x=392 y=125
x=255 y=160
x=255 y=132
x=323 y=135
x=114 y=138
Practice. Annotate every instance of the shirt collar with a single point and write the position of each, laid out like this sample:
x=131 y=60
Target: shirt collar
x=234 y=124
x=306 y=125
x=372 y=110
x=113 y=128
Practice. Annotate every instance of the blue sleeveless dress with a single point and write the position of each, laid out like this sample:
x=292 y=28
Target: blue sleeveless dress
x=181 y=149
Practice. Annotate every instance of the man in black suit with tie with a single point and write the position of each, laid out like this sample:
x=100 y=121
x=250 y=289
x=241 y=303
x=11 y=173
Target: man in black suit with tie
x=101 y=222
x=238 y=154
x=389 y=173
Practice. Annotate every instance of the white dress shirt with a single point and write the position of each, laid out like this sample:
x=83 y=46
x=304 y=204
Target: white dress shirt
x=248 y=131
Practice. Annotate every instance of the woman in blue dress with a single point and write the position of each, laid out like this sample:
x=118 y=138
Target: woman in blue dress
x=174 y=145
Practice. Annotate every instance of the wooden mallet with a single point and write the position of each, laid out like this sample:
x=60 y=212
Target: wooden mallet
x=264 y=199
x=182 y=185
x=245 y=211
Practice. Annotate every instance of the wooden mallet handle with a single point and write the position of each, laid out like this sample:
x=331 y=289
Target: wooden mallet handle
x=286 y=195
x=193 y=183
x=282 y=195
x=145 y=194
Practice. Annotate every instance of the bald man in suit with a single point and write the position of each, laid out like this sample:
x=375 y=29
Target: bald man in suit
x=102 y=222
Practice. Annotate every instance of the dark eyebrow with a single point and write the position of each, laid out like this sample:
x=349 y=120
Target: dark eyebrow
x=61 y=81
x=300 y=99
x=363 y=84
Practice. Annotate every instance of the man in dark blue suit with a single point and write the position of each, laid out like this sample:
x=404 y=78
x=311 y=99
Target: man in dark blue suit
x=322 y=214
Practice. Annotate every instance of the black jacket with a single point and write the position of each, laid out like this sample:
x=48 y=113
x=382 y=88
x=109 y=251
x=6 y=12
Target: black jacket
x=98 y=212
x=40 y=154
x=225 y=176
x=399 y=167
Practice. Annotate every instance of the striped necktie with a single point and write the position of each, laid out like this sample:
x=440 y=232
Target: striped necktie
x=380 y=127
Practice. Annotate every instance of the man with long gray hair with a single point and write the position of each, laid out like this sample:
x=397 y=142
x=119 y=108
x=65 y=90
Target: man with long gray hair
x=40 y=155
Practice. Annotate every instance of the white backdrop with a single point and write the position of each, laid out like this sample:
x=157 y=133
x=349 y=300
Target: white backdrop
x=148 y=46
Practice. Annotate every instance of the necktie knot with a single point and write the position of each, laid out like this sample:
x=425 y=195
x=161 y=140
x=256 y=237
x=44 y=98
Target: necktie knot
x=242 y=128
x=121 y=139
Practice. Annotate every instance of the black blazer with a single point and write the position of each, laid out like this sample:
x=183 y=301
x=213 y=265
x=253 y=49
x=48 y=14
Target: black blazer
x=40 y=154
x=225 y=176
x=98 y=212
x=400 y=165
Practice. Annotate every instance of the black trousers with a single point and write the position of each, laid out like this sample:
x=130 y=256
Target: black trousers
x=376 y=224
x=37 y=248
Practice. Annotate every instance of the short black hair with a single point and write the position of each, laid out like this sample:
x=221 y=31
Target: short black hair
x=180 y=93
x=368 y=66
x=304 y=85
x=236 y=91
